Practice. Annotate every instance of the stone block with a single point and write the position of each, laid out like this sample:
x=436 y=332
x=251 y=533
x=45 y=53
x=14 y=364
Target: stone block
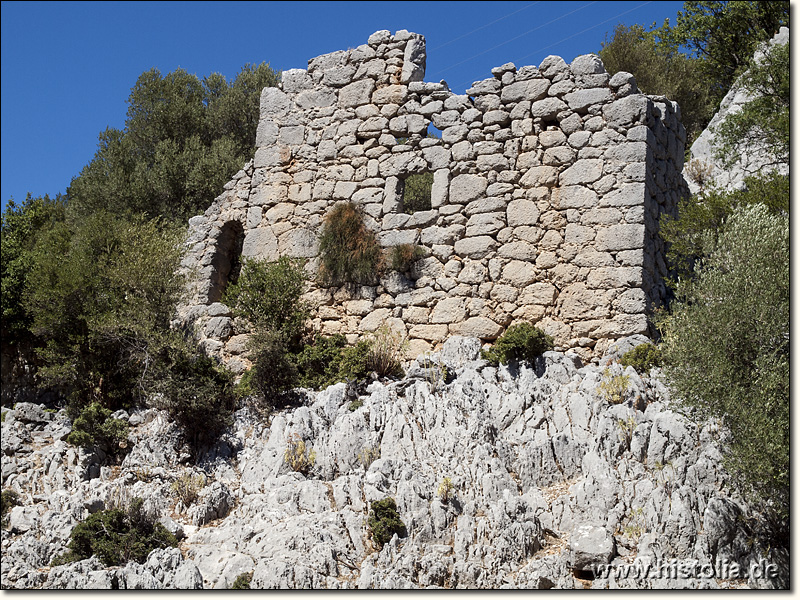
x=474 y=247
x=479 y=327
x=620 y=237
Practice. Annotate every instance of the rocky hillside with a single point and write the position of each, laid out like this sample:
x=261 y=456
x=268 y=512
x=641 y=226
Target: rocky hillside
x=554 y=479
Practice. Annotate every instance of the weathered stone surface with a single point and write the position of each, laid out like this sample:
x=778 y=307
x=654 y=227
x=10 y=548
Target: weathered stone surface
x=480 y=327
x=590 y=546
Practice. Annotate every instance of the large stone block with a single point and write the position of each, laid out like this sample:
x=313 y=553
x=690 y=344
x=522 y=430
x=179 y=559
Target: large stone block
x=260 y=244
x=449 y=310
x=479 y=327
x=466 y=188
x=475 y=247
x=620 y=237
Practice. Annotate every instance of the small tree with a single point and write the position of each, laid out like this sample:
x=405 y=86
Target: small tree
x=384 y=521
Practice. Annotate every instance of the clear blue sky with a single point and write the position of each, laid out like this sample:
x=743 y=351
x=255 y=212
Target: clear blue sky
x=68 y=67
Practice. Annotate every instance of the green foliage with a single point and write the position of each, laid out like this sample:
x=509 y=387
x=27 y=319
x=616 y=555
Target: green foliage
x=242 y=582
x=275 y=373
x=183 y=139
x=116 y=537
x=195 y=391
x=22 y=226
x=349 y=252
x=661 y=69
x=763 y=123
x=642 y=358
x=268 y=295
x=700 y=218
x=613 y=388
x=417 y=192
x=519 y=342
x=384 y=521
x=319 y=363
x=101 y=293
x=95 y=428
x=355 y=405
x=403 y=256
x=726 y=348
x=725 y=35
x=8 y=500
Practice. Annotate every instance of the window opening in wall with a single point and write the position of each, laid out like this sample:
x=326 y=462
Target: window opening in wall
x=227 y=259
x=434 y=132
x=416 y=192
x=547 y=124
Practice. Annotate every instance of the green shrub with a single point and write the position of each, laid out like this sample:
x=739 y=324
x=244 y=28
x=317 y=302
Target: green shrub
x=95 y=428
x=275 y=372
x=417 y=192
x=355 y=405
x=102 y=292
x=242 y=582
x=319 y=363
x=693 y=233
x=642 y=358
x=519 y=342
x=349 y=252
x=268 y=295
x=403 y=256
x=355 y=362
x=8 y=500
x=726 y=349
x=384 y=521
x=197 y=393
x=116 y=537
x=21 y=226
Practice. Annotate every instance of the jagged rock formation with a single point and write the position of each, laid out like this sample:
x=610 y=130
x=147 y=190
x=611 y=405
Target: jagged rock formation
x=548 y=183
x=705 y=169
x=549 y=479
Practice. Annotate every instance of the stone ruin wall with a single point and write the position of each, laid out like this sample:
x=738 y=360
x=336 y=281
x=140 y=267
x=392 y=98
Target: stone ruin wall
x=548 y=184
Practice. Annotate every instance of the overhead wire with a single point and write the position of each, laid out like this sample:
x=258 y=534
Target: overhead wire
x=485 y=26
x=516 y=37
x=584 y=31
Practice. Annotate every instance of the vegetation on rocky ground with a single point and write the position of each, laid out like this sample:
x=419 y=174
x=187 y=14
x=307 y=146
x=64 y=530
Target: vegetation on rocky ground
x=117 y=536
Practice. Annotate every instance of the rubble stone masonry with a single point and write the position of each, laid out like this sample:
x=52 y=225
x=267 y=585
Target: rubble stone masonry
x=548 y=184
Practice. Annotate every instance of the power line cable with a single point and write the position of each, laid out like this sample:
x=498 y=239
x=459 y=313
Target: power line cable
x=515 y=38
x=484 y=26
x=585 y=30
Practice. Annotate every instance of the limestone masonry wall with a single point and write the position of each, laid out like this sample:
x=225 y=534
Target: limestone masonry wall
x=548 y=184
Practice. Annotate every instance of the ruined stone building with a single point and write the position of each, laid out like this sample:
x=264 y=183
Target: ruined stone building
x=548 y=184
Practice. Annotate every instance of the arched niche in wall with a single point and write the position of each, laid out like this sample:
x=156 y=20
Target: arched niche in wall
x=227 y=259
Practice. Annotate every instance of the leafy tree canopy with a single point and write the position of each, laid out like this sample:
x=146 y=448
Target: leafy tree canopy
x=183 y=139
x=726 y=349
x=22 y=225
x=725 y=35
x=660 y=69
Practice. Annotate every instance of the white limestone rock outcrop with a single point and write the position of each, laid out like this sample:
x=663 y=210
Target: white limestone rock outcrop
x=538 y=458
x=704 y=149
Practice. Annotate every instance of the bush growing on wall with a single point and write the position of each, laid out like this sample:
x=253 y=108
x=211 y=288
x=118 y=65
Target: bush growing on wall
x=348 y=250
